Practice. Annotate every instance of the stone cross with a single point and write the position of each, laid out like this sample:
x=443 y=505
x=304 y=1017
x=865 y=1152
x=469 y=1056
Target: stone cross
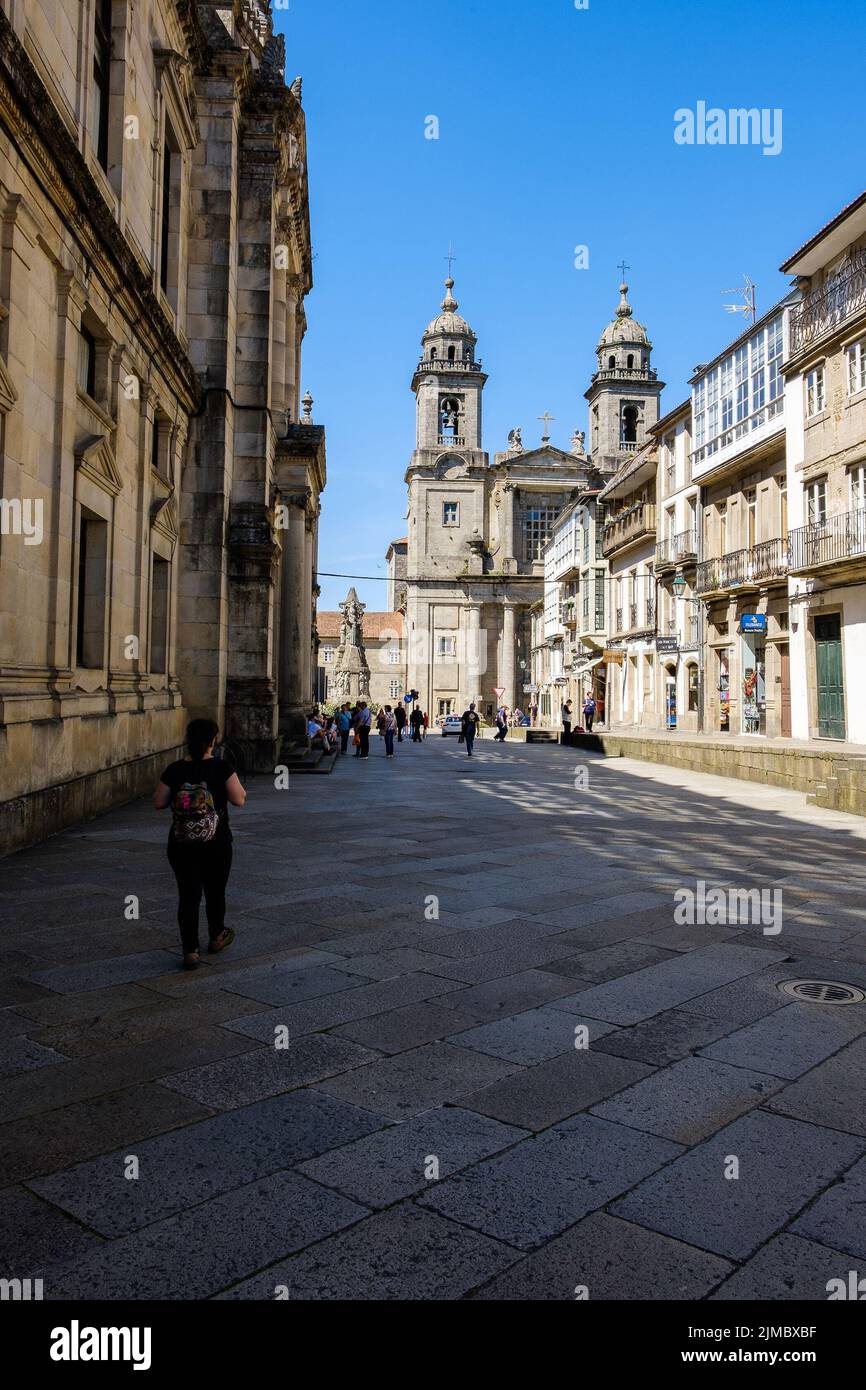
x=546 y=418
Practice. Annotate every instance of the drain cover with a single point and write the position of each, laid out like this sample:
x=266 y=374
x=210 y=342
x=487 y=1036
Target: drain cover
x=823 y=991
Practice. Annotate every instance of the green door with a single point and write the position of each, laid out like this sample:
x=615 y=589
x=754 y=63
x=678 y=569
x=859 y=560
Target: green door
x=828 y=660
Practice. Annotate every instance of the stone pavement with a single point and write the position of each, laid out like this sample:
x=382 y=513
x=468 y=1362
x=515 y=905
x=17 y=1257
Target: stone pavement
x=432 y=937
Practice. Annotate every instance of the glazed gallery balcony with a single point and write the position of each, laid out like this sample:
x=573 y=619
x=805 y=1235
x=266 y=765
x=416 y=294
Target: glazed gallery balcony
x=837 y=299
x=631 y=525
x=676 y=550
x=743 y=569
x=829 y=542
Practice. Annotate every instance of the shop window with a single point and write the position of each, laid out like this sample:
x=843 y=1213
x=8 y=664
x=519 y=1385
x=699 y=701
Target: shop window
x=692 y=678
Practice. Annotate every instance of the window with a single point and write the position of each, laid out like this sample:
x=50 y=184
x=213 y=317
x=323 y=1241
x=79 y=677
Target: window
x=327 y=655
x=169 y=230
x=446 y=646
x=628 y=426
x=599 y=599
x=450 y=513
x=815 y=394
x=159 y=585
x=692 y=689
x=87 y=362
x=101 y=81
x=751 y=497
x=629 y=361
x=394 y=690
x=611 y=362
x=856 y=355
x=451 y=352
x=723 y=528
x=857 y=478
x=446 y=707
x=671 y=466
x=816 y=502
x=537 y=526
x=165 y=230
x=92 y=580
x=393 y=656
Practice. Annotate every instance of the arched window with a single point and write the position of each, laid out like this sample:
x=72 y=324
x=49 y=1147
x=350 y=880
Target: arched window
x=449 y=416
x=630 y=360
x=611 y=361
x=629 y=425
x=432 y=354
x=451 y=354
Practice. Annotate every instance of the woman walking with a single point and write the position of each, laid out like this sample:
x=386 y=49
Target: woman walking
x=199 y=789
x=389 y=729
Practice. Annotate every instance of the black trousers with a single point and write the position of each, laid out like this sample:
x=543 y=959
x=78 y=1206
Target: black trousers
x=470 y=740
x=201 y=868
x=364 y=732
x=344 y=740
x=587 y=719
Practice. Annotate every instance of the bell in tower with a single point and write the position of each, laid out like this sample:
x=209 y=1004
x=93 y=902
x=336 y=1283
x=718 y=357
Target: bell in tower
x=624 y=392
x=448 y=383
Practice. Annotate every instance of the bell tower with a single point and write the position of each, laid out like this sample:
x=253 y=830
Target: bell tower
x=448 y=383
x=624 y=392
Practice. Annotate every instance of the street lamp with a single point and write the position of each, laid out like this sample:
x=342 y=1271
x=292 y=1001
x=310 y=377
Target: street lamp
x=678 y=584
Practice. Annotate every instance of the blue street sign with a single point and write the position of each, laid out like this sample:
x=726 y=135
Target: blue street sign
x=753 y=622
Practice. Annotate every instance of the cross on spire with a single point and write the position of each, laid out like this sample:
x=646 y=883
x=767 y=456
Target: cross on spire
x=449 y=258
x=623 y=267
x=546 y=419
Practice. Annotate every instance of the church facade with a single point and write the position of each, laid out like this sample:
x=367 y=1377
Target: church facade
x=477 y=531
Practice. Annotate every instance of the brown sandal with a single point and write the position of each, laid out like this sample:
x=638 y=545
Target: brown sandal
x=219 y=943
x=191 y=961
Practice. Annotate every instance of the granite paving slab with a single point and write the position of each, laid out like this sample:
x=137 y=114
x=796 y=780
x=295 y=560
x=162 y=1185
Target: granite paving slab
x=417 y=1080
x=664 y=1038
x=33 y=1235
x=43 y=1143
x=409 y=1157
x=783 y=1164
x=689 y=1100
x=267 y=1071
x=71 y=979
x=403 y=1254
x=23 y=1054
x=273 y=985
x=831 y=1094
x=531 y=1037
x=405 y=1028
x=609 y=1259
x=539 y=1096
x=184 y=1167
x=610 y=962
x=544 y=1185
x=204 y=1249
x=788 y=1267
x=792 y=1040
x=657 y=988
x=836 y=1218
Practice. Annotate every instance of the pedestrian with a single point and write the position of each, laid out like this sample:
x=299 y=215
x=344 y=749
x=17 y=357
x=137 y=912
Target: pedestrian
x=365 y=720
x=426 y=724
x=469 y=727
x=389 y=729
x=380 y=721
x=588 y=713
x=416 y=719
x=533 y=714
x=400 y=716
x=566 y=721
x=501 y=724
x=344 y=722
x=199 y=789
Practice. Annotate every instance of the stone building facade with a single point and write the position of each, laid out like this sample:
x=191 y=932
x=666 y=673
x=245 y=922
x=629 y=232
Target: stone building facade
x=477 y=532
x=384 y=651
x=153 y=269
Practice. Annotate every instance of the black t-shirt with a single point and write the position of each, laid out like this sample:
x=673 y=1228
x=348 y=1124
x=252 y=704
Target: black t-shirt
x=215 y=773
x=470 y=720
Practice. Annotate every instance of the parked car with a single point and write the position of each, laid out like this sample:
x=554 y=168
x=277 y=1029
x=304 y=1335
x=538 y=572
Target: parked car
x=452 y=724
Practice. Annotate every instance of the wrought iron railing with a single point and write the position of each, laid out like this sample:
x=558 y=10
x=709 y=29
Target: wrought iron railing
x=821 y=543
x=767 y=560
x=674 y=549
x=836 y=300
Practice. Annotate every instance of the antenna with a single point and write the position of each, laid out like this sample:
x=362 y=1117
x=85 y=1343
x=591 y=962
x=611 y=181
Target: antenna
x=748 y=293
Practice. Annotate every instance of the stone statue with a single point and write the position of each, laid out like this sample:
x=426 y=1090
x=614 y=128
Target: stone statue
x=577 y=442
x=515 y=443
x=351 y=677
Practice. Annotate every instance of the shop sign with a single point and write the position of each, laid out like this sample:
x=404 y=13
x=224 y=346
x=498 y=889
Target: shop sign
x=753 y=622
x=614 y=657
x=666 y=644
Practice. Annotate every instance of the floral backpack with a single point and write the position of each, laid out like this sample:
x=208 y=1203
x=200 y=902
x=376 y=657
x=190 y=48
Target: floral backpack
x=194 y=816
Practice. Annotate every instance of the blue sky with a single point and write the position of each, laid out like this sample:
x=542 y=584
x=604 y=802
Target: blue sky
x=555 y=130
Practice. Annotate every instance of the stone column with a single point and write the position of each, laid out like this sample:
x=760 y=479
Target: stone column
x=294 y=639
x=508 y=504
x=506 y=677
x=307 y=608
x=473 y=665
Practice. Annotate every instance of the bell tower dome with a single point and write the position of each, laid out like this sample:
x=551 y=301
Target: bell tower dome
x=448 y=383
x=624 y=392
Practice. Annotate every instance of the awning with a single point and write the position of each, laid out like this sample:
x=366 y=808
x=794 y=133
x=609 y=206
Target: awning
x=587 y=666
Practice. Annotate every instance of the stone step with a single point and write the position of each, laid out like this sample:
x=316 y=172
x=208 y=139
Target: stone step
x=306 y=760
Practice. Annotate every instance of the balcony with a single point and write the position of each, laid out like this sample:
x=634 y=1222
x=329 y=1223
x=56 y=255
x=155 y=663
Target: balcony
x=829 y=542
x=625 y=374
x=629 y=526
x=676 y=550
x=836 y=301
x=743 y=569
x=441 y=364
x=452 y=441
